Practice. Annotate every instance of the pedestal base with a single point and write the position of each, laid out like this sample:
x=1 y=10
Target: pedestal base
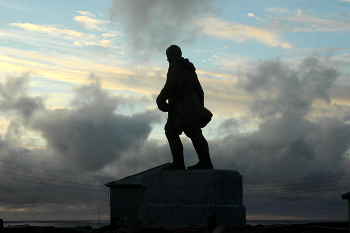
x=192 y=199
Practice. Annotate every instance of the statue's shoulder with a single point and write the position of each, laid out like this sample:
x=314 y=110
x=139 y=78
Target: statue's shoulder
x=175 y=67
x=175 y=64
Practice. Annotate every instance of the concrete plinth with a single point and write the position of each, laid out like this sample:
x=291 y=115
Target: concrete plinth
x=192 y=199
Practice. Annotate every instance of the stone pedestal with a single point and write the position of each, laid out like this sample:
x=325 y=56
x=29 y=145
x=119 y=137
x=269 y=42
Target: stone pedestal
x=192 y=199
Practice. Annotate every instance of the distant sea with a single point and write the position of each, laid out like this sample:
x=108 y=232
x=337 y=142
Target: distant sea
x=95 y=223
x=282 y=222
x=59 y=223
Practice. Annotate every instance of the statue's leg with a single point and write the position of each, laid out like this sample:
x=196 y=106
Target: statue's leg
x=176 y=149
x=201 y=146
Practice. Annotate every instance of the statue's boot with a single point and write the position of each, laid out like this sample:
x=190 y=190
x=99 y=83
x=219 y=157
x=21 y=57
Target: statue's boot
x=201 y=146
x=177 y=153
x=175 y=166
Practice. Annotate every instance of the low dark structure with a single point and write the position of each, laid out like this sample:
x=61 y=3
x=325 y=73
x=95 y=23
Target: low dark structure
x=346 y=196
x=126 y=196
x=1 y=225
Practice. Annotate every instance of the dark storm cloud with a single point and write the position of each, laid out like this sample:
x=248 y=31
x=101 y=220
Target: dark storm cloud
x=283 y=90
x=33 y=192
x=153 y=25
x=83 y=138
x=14 y=97
x=229 y=126
x=153 y=153
x=91 y=135
x=289 y=143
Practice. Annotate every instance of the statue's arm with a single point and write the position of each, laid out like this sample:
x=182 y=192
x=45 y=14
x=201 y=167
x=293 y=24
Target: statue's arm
x=172 y=85
x=161 y=101
x=199 y=90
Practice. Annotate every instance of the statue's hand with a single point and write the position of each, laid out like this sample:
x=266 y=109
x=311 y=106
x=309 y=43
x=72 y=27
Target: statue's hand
x=162 y=104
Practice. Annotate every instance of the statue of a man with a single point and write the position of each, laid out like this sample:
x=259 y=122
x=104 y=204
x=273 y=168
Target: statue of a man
x=186 y=111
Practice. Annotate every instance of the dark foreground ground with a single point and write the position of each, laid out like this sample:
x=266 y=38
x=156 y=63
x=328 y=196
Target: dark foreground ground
x=290 y=228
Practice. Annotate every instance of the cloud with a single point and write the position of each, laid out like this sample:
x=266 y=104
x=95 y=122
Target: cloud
x=33 y=176
x=222 y=29
x=84 y=138
x=251 y=15
x=327 y=51
x=14 y=97
x=70 y=69
x=78 y=37
x=89 y=22
x=312 y=23
x=112 y=34
x=102 y=43
x=289 y=91
x=77 y=43
x=91 y=135
x=306 y=23
x=86 y=13
x=299 y=12
x=152 y=26
x=52 y=30
x=289 y=143
x=278 y=10
x=228 y=126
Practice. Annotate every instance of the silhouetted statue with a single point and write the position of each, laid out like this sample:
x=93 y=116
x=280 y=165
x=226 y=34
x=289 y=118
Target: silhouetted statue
x=186 y=111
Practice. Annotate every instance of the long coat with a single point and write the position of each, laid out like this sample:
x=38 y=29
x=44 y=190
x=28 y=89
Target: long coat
x=185 y=96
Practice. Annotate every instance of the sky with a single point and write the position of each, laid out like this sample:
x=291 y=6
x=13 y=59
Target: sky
x=79 y=79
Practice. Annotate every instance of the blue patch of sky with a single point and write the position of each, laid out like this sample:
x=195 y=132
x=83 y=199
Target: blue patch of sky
x=53 y=12
x=48 y=86
x=262 y=51
x=66 y=10
x=236 y=11
x=7 y=9
x=320 y=40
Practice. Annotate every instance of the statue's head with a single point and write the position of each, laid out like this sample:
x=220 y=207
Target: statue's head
x=173 y=52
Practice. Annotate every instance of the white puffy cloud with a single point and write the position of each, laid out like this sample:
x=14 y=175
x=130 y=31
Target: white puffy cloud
x=86 y=13
x=299 y=12
x=112 y=34
x=251 y=15
x=89 y=22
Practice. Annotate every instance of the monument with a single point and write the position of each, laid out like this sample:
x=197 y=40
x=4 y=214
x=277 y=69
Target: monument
x=200 y=197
